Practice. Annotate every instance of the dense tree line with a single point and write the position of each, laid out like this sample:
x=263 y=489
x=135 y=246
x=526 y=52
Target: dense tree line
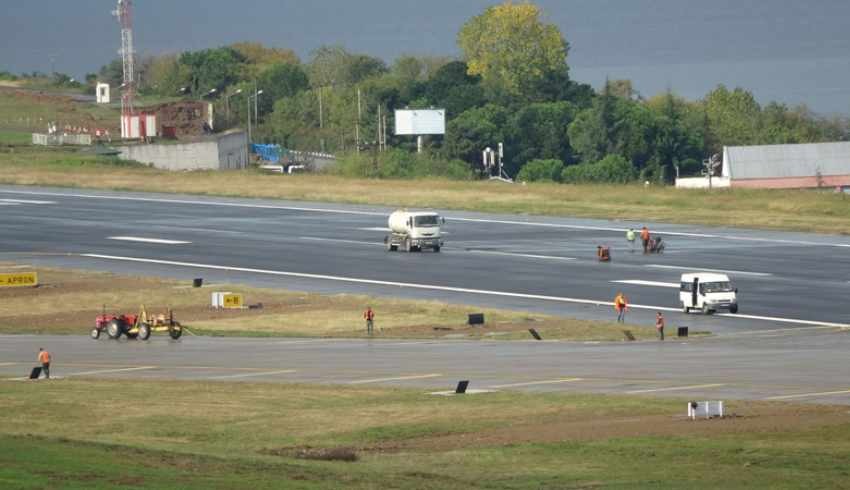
x=512 y=86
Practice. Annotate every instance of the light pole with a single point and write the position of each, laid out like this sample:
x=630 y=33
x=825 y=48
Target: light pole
x=227 y=104
x=255 y=96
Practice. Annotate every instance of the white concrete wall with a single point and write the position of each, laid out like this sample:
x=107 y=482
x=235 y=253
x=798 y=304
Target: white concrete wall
x=61 y=139
x=220 y=152
x=179 y=156
x=701 y=182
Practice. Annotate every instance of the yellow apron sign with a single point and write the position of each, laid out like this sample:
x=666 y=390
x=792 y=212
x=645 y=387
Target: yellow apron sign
x=232 y=301
x=18 y=279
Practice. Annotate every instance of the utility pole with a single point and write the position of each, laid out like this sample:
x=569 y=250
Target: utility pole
x=321 y=120
x=357 y=125
x=248 y=99
x=256 y=102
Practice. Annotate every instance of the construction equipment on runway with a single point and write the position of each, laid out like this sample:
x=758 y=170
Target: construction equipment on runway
x=138 y=326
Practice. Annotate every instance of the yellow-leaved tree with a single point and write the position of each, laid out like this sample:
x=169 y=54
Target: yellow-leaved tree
x=513 y=50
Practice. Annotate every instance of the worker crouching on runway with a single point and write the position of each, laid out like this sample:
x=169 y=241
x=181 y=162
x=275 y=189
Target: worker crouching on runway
x=44 y=360
x=603 y=253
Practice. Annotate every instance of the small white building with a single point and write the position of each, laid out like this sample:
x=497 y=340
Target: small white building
x=102 y=93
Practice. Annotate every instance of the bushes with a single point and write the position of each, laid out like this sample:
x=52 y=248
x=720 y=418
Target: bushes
x=541 y=170
x=400 y=164
x=611 y=169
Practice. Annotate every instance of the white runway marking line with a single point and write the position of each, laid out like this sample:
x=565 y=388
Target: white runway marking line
x=339 y=240
x=535 y=383
x=9 y=204
x=433 y=287
x=676 y=388
x=107 y=371
x=384 y=214
x=15 y=202
x=700 y=269
x=638 y=282
x=8 y=364
x=375 y=228
x=809 y=395
x=399 y=378
x=511 y=254
x=253 y=375
x=160 y=241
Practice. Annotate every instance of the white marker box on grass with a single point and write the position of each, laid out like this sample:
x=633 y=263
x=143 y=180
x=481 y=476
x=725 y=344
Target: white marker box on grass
x=705 y=410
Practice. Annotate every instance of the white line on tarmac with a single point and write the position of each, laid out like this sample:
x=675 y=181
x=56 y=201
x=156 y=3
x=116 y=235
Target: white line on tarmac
x=638 y=282
x=15 y=202
x=339 y=240
x=510 y=254
x=8 y=363
x=676 y=388
x=433 y=287
x=105 y=371
x=9 y=204
x=384 y=214
x=147 y=240
x=808 y=395
x=533 y=383
x=701 y=269
x=375 y=228
x=400 y=378
x=253 y=375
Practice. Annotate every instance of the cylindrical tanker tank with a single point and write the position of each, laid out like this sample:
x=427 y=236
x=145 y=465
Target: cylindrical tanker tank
x=414 y=231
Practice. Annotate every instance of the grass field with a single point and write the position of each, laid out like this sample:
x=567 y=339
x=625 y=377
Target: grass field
x=803 y=210
x=32 y=109
x=165 y=434
x=68 y=301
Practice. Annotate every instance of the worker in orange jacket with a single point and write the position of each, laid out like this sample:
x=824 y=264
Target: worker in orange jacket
x=44 y=359
x=620 y=304
x=644 y=236
x=369 y=315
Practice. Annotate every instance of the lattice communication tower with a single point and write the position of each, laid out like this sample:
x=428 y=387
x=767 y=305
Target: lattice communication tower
x=124 y=13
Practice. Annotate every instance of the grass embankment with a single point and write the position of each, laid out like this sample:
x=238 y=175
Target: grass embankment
x=31 y=109
x=812 y=211
x=68 y=301
x=166 y=434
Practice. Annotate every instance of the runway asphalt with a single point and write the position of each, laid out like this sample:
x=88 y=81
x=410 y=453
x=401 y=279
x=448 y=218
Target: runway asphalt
x=792 y=286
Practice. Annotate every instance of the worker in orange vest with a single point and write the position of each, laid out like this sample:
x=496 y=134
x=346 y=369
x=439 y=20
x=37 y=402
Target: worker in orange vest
x=369 y=315
x=644 y=235
x=620 y=304
x=44 y=359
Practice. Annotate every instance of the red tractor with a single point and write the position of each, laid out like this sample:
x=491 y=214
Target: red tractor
x=136 y=326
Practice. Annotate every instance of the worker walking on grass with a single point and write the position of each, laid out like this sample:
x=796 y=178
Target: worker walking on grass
x=620 y=304
x=630 y=237
x=644 y=236
x=369 y=315
x=44 y=360
x=659 y=325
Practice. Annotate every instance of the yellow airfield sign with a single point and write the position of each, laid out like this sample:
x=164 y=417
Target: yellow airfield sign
x=18 y=279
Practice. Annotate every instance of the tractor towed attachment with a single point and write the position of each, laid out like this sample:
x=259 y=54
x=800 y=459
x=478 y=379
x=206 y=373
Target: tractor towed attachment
x=138 y=326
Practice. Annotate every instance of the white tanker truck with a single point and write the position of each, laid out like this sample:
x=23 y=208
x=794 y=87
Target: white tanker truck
x=413 y=232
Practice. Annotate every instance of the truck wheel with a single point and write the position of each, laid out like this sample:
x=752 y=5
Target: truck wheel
x=706 y=310
x=733 y=309
x=685 y=309
x=175 y=332
x=407 y=247
x=114 y=329
x=144 y=331
x=95 y=333
x=437 y=248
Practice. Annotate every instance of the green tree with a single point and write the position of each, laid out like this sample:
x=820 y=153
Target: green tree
x=279 y=81
x=733 y=117
x=541 y=171
x=513 y=50
x=539 y=131
x=611 y=169
x=453 y=89
x=211 y=69
x=474 y=130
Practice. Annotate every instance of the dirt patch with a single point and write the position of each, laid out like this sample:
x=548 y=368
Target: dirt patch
x=567 y=426
x=346 y=454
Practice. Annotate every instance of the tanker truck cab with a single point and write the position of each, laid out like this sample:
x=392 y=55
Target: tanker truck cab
x=708 y=292
x=414 y=231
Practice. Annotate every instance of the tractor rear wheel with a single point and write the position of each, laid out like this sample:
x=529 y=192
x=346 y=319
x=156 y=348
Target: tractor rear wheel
x=144 y=331
x=114 y=329
x=95 y=333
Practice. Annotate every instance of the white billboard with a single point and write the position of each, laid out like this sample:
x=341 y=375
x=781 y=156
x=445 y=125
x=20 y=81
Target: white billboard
x=420 y=121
